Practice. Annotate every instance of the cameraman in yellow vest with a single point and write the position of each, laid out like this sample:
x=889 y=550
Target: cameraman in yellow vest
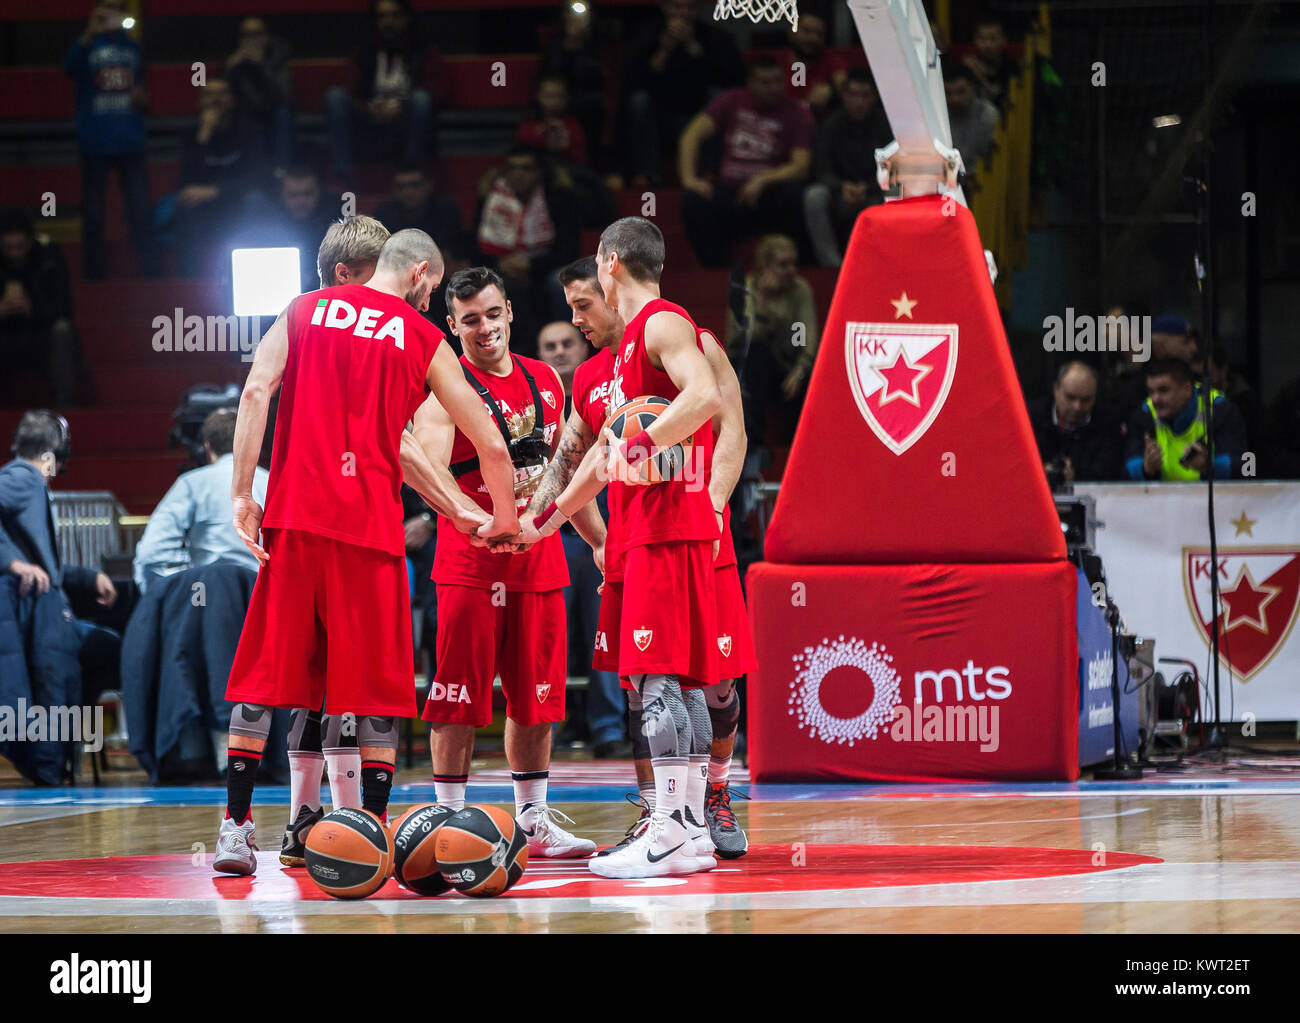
x=1167 y=437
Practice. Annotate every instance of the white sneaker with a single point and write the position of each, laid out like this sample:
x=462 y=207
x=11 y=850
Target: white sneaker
x=236 y=844
x=702 y=846
x=663 y=848
x=547 y=839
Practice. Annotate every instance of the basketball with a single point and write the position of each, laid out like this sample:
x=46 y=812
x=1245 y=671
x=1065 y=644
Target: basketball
x=414 y=863
x=349 y=854
x=480 y=851
x=629 y=419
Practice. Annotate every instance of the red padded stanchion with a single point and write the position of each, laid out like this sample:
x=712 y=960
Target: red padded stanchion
x=845 y=651
x=914 y=444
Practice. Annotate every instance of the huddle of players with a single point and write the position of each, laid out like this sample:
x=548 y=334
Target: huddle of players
x=672 y=617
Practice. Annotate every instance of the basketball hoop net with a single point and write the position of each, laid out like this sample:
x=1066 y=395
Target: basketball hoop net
x=759 y=10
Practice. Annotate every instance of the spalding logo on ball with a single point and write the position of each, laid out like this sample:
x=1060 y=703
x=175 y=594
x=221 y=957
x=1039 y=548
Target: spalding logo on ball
x=628 y=420
x=480 y=851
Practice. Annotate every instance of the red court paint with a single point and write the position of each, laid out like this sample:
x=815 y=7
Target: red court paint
x=767 y=868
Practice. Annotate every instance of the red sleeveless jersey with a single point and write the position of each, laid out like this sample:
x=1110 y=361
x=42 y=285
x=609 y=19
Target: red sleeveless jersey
x=355 y=375
x=543 y=566
x=592 y=382
x=677 y=509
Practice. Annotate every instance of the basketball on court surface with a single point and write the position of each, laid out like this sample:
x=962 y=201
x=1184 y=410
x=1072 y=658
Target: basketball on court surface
x=628 y=420
x=480 y=851
x=414 y=863
x=349 y=854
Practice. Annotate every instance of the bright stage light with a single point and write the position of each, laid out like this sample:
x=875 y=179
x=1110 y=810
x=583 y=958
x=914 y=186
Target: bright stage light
x=265 y=280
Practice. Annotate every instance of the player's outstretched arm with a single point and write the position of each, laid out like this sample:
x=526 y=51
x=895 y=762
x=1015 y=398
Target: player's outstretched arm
x=574 y=443
x=588 y=481
x=465 y=409
x=729 y=438
x=250 y=428
x=434 y=482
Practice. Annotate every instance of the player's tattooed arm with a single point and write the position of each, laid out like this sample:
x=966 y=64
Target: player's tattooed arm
x=574 y=442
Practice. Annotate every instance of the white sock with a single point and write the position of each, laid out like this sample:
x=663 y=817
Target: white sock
x=304 y=781
x=697 y=781
x=450 y=792
x=344 y=766
x=647 y=790
x=719 y=770
x=670 y=784
x=530 y=790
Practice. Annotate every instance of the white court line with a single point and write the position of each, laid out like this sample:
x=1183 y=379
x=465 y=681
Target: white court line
x=1154 y=882
x=51 y=813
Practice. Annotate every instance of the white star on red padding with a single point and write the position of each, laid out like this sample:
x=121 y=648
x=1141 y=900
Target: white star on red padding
x=1245 y=603
x=901 y=380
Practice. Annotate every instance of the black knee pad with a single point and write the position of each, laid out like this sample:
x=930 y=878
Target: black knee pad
x=340 y=731
x=726 y=715
x=304 y=731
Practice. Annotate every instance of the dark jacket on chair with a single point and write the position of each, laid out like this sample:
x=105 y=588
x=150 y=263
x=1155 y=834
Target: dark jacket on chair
x=176 y=658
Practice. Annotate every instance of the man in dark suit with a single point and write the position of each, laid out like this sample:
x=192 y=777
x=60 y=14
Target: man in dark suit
x=1076 y=444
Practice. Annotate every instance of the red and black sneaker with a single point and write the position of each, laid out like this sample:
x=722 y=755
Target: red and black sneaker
x=728 y=838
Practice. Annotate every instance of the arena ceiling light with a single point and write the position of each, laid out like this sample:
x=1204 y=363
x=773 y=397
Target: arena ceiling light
x=265 y=280
x=1166 y=121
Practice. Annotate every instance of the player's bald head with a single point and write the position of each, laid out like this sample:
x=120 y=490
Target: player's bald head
x=409 y=248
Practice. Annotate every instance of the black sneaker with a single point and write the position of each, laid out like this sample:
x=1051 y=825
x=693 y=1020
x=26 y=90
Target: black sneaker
x=728 y=838
x=293 y=850
x=638 y=825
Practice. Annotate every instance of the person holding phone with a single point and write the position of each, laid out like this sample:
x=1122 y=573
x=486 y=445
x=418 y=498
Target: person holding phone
x=1167 y=438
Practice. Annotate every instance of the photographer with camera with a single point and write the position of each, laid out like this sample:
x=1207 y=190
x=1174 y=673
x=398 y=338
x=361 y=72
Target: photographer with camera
x=1077 y=444
x=192 y=524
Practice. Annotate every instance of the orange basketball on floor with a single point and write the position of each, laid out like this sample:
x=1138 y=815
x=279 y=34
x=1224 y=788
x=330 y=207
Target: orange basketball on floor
x=349 y=854
x=480 y=851
x=414 y=864
x=626 y=421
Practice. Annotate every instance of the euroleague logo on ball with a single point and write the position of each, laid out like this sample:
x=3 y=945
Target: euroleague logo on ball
x=815 y=663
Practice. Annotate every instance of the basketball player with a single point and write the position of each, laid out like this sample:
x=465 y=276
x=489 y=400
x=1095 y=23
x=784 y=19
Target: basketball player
x=330 y=614
x=664 y=536
x=497 y=614
x=604 y=328
x=347 y=255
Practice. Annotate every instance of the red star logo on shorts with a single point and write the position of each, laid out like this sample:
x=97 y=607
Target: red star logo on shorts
x=642 y=638
x=724 y=644
x=543 y=691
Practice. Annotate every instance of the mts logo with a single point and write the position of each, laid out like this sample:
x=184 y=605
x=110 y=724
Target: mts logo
x=334 y=312
x=998 y=684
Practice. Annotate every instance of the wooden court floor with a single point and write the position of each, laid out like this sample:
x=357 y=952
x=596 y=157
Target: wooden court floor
x=1203 y=852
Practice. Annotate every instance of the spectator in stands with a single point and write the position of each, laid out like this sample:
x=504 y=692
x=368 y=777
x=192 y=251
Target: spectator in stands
x=1171 y=338
x=528 y=226
x=108 y=69
x=572 y=54
x=670 y=72
x=1075 y=442
x=192 y=524
x=258 y=72
x=971 y=117
x=783 y=334
x=398 y=83
x=766 y=141
x=1166 y=435
x=35 y=310
x=416 y=203
x=299 y=219
x=991 y=64
x=552 y=129
x=561 y=346
x=844 y=166
x=56 y=658
x=823 y=71
x=222 y=165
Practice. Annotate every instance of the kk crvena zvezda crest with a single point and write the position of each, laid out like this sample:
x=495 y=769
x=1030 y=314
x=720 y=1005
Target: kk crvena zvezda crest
x=900 y=374
x=1259 y=589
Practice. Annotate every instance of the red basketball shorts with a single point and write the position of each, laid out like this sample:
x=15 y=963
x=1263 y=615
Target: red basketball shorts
x=328 y=621
x=661 y=619
x=735 y=640
x=523 y=637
